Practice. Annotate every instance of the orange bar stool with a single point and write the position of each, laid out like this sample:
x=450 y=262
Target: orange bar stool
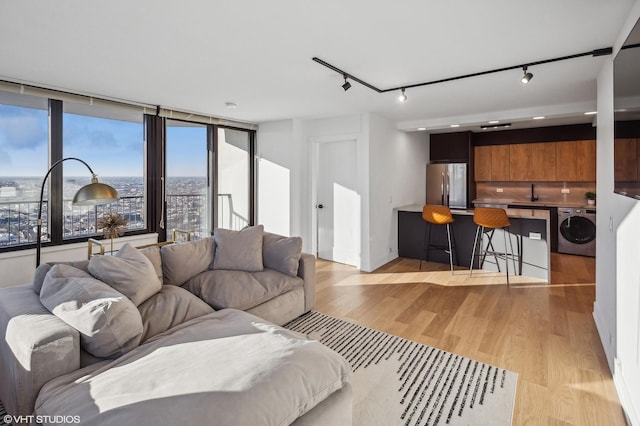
x=438 y=215
x=488 y=220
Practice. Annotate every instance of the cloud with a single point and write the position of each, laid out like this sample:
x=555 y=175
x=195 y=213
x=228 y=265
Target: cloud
x=23 y=131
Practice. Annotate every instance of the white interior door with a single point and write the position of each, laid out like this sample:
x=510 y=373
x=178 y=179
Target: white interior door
x=338 y=203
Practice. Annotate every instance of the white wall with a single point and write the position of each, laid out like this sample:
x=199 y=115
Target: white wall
x=391 y=169
x=617 y=253
x=18 y=267
x=281 y=160
x=397 y=169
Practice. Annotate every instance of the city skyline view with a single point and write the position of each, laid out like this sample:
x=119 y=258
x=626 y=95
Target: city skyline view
x=111 y=147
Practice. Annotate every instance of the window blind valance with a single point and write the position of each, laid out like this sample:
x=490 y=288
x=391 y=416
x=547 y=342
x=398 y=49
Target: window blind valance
x=204 y=119
x=26 y=89
x=130 y=107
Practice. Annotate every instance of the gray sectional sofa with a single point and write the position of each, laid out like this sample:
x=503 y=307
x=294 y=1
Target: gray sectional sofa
x=187 y=333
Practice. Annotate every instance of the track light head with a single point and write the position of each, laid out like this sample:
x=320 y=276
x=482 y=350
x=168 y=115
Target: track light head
x=402 y=97
x=527 y=76
x=346 y=86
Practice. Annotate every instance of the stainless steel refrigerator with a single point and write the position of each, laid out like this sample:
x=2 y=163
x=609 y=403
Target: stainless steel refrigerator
x=447 y=184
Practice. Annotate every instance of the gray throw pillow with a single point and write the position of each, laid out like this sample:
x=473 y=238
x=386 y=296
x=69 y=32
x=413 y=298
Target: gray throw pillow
x=239 y=250
x=129 y=271
x=281 y=254
x=183 y=261
x=44 y=268
x=109 y=323
x=170 y=307
x=153 y=254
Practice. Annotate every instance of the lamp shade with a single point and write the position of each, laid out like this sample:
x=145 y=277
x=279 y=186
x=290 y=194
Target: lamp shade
x=95 y=193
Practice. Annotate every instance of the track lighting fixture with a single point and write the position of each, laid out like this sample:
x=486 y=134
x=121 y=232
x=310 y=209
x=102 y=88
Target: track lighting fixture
x=346 y=86
x=403 y=96
x=527 y=76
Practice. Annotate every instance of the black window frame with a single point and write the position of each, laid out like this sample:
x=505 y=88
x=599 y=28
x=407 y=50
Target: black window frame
x=154 y=169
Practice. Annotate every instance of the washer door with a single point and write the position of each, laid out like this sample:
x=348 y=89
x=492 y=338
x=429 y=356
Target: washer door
x=578 y=230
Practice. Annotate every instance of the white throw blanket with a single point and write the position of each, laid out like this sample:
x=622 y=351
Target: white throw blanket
x=224 y=368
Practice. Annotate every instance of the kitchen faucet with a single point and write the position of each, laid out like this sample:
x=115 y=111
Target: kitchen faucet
x=534 y=197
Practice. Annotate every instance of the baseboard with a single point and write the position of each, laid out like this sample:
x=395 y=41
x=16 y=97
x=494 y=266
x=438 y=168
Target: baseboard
x=383 y=260
x=606 y=338
x=630 y=411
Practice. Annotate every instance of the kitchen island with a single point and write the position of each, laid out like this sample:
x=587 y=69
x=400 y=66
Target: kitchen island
x=529 y=235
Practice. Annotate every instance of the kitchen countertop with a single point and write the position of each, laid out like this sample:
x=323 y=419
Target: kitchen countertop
x=514 y=213
x=541 y=203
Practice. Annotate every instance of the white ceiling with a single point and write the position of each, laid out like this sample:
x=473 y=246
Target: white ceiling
x=196 y=55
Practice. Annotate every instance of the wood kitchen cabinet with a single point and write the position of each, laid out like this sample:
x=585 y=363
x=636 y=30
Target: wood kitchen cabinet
x=482 y=163
x=543 y=162
x=566 y=167
x=520 y=162
x=500 y=163
x=586 y=161
x=567 y=161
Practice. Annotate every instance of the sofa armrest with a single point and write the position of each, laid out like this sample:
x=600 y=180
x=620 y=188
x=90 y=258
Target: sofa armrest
x=307 y=271
x=36 y=347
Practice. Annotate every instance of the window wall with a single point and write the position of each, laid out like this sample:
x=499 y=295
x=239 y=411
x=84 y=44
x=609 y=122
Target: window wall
x=24 y=154
x=187 y=201
x=188 y=174
x=111 y=141
x=234 y=178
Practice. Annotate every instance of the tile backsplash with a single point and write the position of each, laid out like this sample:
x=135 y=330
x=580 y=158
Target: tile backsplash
x=546 y=191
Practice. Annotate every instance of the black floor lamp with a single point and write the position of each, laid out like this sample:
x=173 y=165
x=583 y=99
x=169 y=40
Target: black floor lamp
x=88 y=195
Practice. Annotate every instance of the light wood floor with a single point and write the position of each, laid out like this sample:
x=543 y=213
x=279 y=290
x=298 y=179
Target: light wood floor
x=545 y=333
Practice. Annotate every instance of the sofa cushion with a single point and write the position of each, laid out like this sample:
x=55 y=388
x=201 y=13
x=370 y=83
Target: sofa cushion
x=239 y=250
x=108 y=322
x=281 y=253
x=170 y=307
x=238 y=289
x=183 y=261
x=128 y=271
x=224 y=368
x=44 y=268
x=153 y=254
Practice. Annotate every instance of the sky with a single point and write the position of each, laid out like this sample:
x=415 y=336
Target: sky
x=110 y=147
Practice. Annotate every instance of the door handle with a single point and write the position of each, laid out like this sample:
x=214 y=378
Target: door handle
x=320 y=206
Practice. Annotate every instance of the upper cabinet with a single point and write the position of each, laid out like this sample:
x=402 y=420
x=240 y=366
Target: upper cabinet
x=500 y=165
x=453 y=147
x=520 y=162
x=586 y=161
x=482 y=164
x=543 y=162
x=566 y=161
x=571 y=161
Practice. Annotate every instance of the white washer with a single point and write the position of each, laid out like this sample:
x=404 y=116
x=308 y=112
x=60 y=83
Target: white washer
x=577 y=231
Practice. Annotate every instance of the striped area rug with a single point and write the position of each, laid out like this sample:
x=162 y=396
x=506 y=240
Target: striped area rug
x=3 y=414
x=400 y=382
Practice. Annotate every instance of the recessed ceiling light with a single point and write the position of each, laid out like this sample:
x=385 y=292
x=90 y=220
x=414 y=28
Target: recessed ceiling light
x=422 y=128
x=455 y=125
x=494 y=121
x=591 y=113
x=231 y=105
x=540 y=117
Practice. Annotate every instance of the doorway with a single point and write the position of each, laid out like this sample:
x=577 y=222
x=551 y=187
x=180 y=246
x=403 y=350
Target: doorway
x=338 y=215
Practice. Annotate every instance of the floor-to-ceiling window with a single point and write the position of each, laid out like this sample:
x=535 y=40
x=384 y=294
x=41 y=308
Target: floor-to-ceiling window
x=111 y=141
x=187 y=190
x=234 y=186
x=191 y=172
x=24 y=153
